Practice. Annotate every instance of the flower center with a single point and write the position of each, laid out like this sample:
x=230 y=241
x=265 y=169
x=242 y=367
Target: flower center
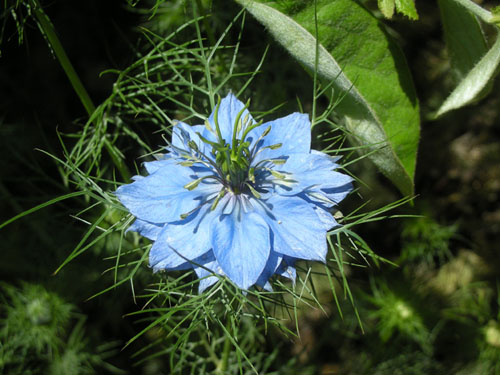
x=233 y=160
x=233 y=164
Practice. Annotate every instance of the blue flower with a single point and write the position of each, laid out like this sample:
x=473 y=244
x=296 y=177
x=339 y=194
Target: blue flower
x=237 y=198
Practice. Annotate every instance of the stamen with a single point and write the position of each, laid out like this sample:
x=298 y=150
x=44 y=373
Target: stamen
x=251 y=174
x=193 y=146
x=277 y=174
x=276 y=161
x=194 y=184
x=251 y=127
x=187 y=214
x=320 y=197
x=254 y=192
x=207 y=162
x=275 y=147
x=266 y=132
x=272 y=147
x=187 y=163
x=209 y=127
x=219 y=196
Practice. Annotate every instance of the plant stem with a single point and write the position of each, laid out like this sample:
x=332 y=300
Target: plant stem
x=210 y=351
x=210 y=33
x=222 y=367
x=49 y=31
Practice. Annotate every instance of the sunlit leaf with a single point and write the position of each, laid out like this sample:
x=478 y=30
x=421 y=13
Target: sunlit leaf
x=407 y=7
x=379 y=106
x=464 y=38
x=474 y=82
x=386 y=7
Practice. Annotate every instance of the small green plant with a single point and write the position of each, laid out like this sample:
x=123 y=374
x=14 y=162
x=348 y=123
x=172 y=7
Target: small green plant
x=42 y=334
x=426 y=241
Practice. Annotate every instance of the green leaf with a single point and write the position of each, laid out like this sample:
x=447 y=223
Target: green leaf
x=470 y=88
x=407 y=7
x=495 y=15
x=464 y=38
x=386 y=7
x=379 y=106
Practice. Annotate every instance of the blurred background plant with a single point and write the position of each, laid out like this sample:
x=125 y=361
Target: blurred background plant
x=437 y=312
x=42 y=334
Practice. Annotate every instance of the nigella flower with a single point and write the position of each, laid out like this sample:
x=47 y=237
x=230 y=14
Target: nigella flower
x=237 y=198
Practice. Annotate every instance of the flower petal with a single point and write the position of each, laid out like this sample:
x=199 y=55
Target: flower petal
x=296 y=229
x=229 y=108
x=164 y=256
x=272 y=265
x=161 y=196
x=315 y=172
x=183 y=133
x=293 y=132
x=148 y=230
x=153 y=166
x=183 y=240
x=207 y=272
x=241 y=245
x=287 y=268
x=325 y=216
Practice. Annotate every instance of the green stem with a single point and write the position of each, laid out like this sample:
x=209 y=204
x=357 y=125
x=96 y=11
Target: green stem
x=50 y=33
x=210 y=33
x=222 y=367
x=210 y=351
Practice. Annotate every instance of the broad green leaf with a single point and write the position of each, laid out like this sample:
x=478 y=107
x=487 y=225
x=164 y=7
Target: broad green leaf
x=386 y=7
x=407 y=7
x=474 y=82
x=379 y=106
x=464 y=38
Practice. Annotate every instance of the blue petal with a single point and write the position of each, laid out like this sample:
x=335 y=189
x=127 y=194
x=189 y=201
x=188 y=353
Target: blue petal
x=292 y=131
x=148 y=230
x=229 y=108
x=296 y=228
x=183 y=133
x=325 y=216
x=337 y=194
x=207 y=273
x=272 y=265
x=163 y=256
x=241 y=245
x=161 y=196
x=153 y=166
x=183 y=240
x=315 y=172
x=287 y=269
